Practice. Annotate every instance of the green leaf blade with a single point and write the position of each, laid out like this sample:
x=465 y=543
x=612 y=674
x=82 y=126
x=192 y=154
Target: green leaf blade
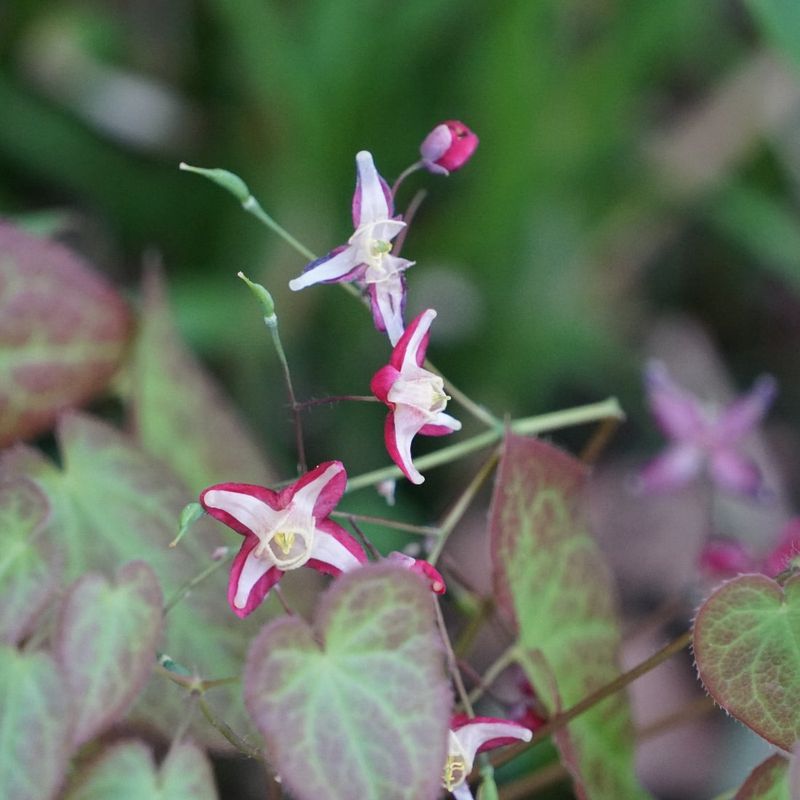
x=63 y=334
x=28 y=572
x=126 y=771
x=107 y=636
x=552 y=579
x=175 y=400
x=747 y=651
x=34 y=725
x=366 y=713
x=768 y=781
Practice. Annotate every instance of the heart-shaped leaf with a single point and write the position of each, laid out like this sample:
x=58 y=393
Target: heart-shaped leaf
x=551 y=577
x=106 y=643
x=112 y=503
x=768 y=781
x=175 y=400
x=359 y=705
x=63 y=332
x=745 y=646
x=28 y=574
x=126 y=771
x=34 y=725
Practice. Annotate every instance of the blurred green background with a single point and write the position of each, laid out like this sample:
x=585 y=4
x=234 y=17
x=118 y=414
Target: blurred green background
x=636 y=157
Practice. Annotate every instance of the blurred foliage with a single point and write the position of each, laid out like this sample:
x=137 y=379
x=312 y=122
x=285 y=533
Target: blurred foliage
x=637 y=158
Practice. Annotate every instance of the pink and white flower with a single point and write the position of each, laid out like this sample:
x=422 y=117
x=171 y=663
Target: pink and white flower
x=367 y=257
x=415 y=396
x=448 y=147
x=467 y=738
x=282 y=531
x=703 y=438
x=421 y=568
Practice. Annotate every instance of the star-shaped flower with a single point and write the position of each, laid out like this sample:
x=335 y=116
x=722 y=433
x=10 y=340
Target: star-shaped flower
x=367 y=257
x=415 y=396
x=282 y=531
x=467 y=738
x=702 y=437
x=448 y=147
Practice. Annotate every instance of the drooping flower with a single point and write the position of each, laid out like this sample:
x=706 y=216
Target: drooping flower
x=282 y=531
x=367 y=257
x=448 y=147
x=703 y=438
x=724 y=558
x=415 y=396
x=422 y=568
x=467 y=738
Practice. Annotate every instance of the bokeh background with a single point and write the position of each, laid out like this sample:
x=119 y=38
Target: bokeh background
x=635 y=193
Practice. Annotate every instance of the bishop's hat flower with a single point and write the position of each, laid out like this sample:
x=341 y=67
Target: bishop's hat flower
x=283 y=530
x=415 y=396
x=421 y=568
x=448 y=147
x=367 y=256
x=703 y=438
x=467 y=738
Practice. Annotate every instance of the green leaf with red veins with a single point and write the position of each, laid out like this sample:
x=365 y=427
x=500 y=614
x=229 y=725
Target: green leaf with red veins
x=358 y=705
x=28 y=570
x=552 y=579
x=127 y=771
x=34 y=725
x=106 y=641
x=63 y=332
x=768 y=781
x=747 y=654
x=175 y=400
x=113 y=503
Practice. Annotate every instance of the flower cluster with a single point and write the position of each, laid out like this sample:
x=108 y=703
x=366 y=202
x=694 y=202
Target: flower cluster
x=291 y=528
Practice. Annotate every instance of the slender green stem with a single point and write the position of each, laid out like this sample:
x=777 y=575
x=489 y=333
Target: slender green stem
x=479 y=412
x=417 y=165
x=220 y=725
x=462 y=504
x=424 y=530
x=272 y=324
x=452 y=664
x=503 y=661
x=620 y=682
x=373 y=551
x=541 y=423
x=326 y=401
x=187 y=587
x=252 y=206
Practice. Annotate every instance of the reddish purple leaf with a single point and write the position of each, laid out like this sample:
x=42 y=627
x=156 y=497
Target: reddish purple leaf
x=358 y=706
x=63 y=332
x=768 y=781
x=745 y=646
x=552 y=579
x=29 y=570
x=106 y=642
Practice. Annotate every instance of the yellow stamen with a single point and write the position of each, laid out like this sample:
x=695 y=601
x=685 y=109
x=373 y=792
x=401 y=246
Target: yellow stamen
x=454 y=772
x=284 y=541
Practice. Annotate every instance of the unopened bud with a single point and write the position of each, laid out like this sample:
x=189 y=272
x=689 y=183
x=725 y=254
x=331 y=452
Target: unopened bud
x=262 y=295
x=227 y=180
x=448 y=147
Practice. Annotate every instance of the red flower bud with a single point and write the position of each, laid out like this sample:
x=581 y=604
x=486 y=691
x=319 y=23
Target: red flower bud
x=448 y=147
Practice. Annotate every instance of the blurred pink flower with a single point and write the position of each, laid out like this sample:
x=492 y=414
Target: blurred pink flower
x=703 y=438
x=421 y=568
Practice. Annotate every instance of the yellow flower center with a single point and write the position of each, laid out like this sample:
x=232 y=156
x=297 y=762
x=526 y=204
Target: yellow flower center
x=284 y=540
x=455 y=771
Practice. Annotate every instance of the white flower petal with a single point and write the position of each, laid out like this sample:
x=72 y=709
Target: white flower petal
x=330 y=550
x=373 y=201
x=472 y=735
x=305 y=498
x=251 y=512
x=252 y=571
x=327 y=270
x=423 y=326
